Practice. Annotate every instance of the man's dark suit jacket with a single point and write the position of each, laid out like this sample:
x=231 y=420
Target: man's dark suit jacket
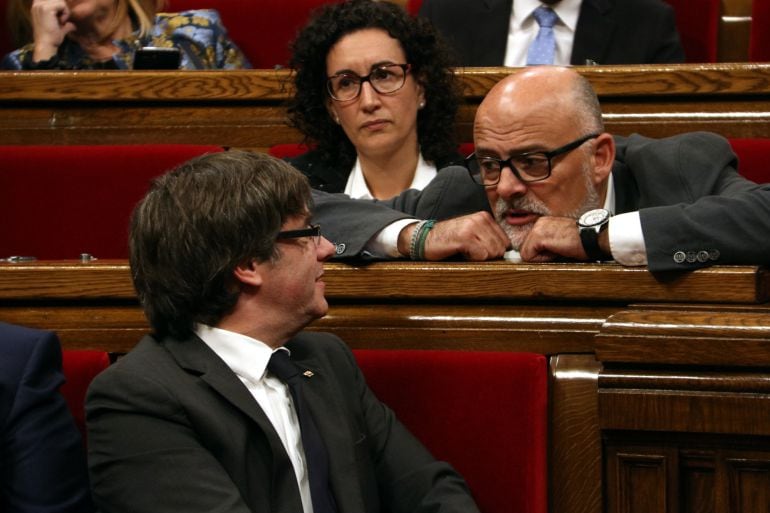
x=172 y=429
x=42 y=459
x=607 y=32
x=688 y=192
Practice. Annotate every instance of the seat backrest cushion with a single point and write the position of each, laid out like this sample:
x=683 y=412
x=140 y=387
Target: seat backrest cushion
x=697 y=22
x=753 y=158
x=483 y=412
x=263 y=29
x=61 y=201
x=759 y=35
x=80 y=368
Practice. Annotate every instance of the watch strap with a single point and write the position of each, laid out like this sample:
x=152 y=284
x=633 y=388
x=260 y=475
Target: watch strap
x=589 y=237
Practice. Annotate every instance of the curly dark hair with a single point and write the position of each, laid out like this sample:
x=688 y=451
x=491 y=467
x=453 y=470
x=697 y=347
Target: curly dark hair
x=425 y=50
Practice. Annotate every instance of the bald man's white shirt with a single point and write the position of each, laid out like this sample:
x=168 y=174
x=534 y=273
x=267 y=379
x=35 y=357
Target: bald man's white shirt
x=523 y=29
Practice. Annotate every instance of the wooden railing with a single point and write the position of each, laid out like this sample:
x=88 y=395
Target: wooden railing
x=247 y=109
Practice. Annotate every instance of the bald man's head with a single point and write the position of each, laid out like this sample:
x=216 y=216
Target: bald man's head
x=541 y=148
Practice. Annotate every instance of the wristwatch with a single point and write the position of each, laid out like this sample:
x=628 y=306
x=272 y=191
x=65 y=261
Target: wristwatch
x=590 y=225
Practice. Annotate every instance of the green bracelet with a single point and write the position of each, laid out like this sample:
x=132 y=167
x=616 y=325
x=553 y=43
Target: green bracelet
x=426 y=227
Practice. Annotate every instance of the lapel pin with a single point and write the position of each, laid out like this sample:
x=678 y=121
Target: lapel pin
x=308 y=374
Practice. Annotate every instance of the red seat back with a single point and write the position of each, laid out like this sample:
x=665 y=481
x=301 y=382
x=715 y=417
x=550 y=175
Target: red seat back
x=483 y=412
x=80 y=367
x=697 y=22
x=759 y=38
x=753 y=158
x=61 y=201
x=262 y=30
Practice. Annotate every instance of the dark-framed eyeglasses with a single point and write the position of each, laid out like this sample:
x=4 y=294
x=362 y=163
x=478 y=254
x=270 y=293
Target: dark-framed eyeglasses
x=385 y=79
x=313 y=231
x=528 y=167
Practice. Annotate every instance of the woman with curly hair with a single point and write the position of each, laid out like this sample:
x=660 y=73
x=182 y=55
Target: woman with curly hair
x=105 y=34
x=375 y=98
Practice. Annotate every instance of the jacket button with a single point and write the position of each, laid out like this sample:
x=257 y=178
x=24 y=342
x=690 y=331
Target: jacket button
x=339 y=248
x=714 y=254
x=691 y=257
x=703 y=256
x=679 y=257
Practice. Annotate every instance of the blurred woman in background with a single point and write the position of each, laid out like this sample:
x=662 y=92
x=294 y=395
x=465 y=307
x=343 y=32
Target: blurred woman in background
x=105 y=34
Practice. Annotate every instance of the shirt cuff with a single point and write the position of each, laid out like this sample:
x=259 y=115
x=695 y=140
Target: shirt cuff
x=385 y=243
x=627 y=239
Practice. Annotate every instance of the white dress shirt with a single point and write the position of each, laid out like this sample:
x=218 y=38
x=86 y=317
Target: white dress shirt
x=248 y=358
x=385 y=243
x=523 y=29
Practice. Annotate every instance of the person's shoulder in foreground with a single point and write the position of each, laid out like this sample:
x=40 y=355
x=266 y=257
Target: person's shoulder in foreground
x=43 y=465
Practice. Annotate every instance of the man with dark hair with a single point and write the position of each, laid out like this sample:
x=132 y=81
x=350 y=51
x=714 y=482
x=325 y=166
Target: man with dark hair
x=209 y=413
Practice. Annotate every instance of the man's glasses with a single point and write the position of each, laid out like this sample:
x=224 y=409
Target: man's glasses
x=385 y=79
x=528 y=167
x=314 y=231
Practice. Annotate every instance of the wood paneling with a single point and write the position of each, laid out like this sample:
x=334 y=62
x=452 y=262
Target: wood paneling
x=247 y=109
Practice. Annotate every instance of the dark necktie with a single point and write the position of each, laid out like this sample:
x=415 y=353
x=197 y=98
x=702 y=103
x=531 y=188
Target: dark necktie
x=316 y=458
x=543 y=48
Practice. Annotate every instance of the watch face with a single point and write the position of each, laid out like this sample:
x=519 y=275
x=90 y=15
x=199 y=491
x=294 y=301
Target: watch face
x=593 y=217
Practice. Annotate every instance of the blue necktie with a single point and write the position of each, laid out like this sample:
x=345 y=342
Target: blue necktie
x=543 y=48
x=316 y=457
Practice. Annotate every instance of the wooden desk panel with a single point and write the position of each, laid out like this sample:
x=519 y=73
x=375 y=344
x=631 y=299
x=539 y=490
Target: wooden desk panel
x=630 y=353
x=247 y=108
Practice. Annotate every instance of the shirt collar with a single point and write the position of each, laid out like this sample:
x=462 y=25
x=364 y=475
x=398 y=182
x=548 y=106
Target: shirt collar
x=568 y=12
x=357 y=188
x=609 y=200
x=247 y=357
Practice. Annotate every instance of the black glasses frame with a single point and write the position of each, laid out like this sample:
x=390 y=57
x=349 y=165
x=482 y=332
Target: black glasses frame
x=473 y=158
x=367 y=78
x=313 y=231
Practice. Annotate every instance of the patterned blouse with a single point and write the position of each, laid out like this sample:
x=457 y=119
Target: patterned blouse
x=198 y=34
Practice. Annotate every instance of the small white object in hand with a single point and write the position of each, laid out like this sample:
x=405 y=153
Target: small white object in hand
x=512 y=256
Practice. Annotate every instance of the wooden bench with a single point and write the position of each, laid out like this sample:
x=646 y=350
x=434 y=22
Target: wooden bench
x=665 y=373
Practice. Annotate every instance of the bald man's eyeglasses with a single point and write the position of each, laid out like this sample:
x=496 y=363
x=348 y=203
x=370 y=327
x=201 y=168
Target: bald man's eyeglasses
x=532 y=166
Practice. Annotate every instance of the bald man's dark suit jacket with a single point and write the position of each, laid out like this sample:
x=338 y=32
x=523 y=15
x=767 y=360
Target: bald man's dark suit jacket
x=608 y=31
x=686 y=188
x=172 y=429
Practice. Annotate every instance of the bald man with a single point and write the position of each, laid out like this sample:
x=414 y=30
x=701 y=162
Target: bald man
x=560 y=186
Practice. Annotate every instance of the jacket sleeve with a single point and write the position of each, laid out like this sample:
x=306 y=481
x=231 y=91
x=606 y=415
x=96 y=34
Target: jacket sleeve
x=705 y=212
x=44 y=467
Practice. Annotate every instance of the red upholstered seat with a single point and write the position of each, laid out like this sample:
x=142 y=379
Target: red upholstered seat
x=80 y=367
x=759 y=39
x=283 y=151
x=263 y=30
x=698 y=24
x=483 y=412
x=753 y=158
x=61 y=201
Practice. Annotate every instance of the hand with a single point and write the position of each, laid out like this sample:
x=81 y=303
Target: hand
x=553 y=237
x=50 y=24
x=475 y=236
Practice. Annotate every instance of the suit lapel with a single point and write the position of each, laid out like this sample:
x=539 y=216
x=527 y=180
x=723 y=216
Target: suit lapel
x=594 y=32
x=195 y=357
